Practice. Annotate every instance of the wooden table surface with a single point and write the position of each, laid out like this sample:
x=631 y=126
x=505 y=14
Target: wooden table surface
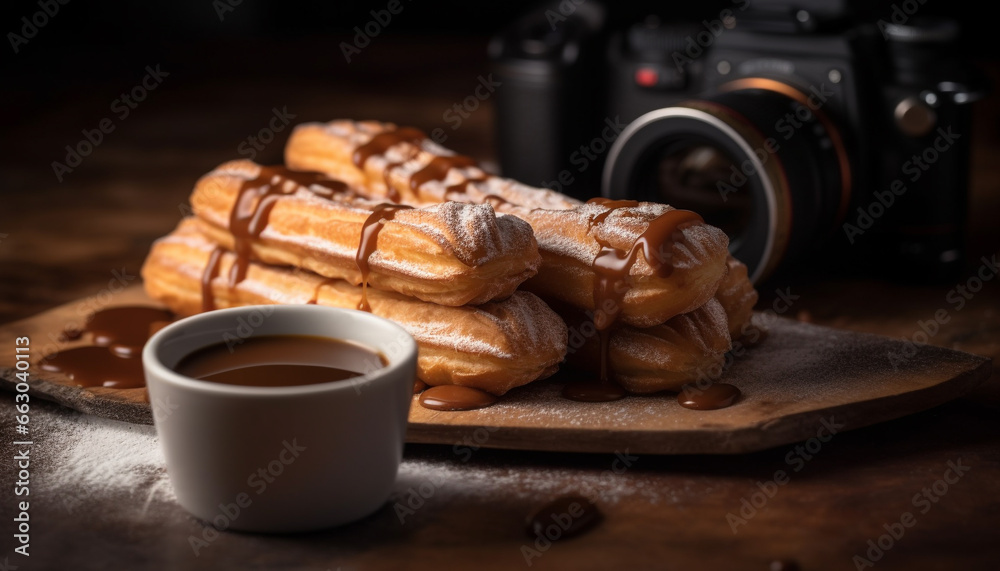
x=60 y=241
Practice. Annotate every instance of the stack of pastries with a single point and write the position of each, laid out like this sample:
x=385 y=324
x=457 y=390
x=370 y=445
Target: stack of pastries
x=373 y=216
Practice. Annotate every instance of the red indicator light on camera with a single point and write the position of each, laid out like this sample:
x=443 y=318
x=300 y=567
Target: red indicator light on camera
x=647 y=77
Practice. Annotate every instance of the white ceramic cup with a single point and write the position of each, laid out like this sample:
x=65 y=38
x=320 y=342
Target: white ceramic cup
x=281 y=459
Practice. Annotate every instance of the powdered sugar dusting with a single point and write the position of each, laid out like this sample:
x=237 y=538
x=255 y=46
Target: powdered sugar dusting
x=87 y=455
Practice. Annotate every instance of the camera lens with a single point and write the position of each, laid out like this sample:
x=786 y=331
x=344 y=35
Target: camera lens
x=759 y=159
x=687 y=172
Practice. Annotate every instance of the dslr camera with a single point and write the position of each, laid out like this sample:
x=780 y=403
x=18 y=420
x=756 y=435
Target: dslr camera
x=806 y=127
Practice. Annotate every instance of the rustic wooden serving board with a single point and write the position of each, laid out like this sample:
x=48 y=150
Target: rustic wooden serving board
x=802 y=378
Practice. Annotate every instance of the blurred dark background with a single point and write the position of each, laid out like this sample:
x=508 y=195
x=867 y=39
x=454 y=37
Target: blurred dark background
x=231 y=64
x=88 y=52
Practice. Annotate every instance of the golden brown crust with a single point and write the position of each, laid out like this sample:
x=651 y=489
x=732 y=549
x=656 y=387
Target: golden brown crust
x=495 y=346
x=330 y=147
x=737 y=296
x=451 y=254
x=565 y=230
x=569 y=241
x=659 y=358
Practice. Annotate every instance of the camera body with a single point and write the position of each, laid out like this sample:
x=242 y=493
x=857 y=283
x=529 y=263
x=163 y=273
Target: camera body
x=790 y=128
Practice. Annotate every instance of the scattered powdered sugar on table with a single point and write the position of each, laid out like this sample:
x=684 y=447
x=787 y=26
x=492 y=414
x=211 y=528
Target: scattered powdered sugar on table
x=85 y=456
x=471 y=480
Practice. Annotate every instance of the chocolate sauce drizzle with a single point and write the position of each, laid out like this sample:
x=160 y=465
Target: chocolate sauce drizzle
x=249 y=217
x=455 y=397
x=118 y=334
x=612 y=266
x=715 y=396
x=436 y=170
x=210 y=272
x=382 y=142
x=254 y=202
x=319 y=288
x=369 y=243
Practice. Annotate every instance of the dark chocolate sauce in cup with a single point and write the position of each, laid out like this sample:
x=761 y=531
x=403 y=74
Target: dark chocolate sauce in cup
x=281 y=361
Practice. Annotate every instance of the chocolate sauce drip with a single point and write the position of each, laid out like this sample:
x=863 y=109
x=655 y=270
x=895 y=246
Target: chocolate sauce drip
x=612 y=267
x=369 y=243
x=118 y=334
x=563 y=518
x=611 y=205
x=391 y=194
x=438 y=169
x=455 y=397
x=418 y=386
x=96 y=367
x=315 y=296
x=593 y=390
x=255 y=200
x=70 y=334
x=210 y=272
x=381 y=143
x=124 y=330
x=716 y=396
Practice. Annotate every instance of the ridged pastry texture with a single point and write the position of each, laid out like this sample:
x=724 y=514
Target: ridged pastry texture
x=652 y=359
x=330 y=148
x=495 y=346
x=570 y=235
x=571 y=240
x=450 y=254
x=737 y=296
